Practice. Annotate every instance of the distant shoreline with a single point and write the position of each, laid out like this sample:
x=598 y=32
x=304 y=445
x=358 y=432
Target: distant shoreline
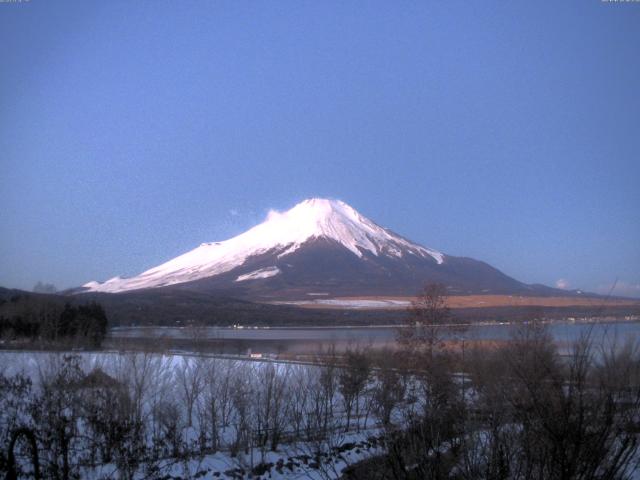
x=394 y=302
x=595 y=320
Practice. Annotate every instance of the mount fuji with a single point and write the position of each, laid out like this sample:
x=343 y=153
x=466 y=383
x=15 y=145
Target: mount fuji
x=319 y=247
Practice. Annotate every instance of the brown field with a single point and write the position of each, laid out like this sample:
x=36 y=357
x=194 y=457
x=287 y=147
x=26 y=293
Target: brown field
x=480 y=301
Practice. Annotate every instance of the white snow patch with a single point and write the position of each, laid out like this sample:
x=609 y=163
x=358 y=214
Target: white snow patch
x=262 y=273
x=349 y=303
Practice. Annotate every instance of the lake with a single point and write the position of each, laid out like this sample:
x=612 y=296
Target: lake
x=300 y=340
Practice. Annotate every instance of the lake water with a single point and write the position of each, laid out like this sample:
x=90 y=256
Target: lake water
x=301 y=339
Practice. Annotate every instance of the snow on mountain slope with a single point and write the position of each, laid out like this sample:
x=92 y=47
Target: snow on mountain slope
x=262 y=273
x=281 y=232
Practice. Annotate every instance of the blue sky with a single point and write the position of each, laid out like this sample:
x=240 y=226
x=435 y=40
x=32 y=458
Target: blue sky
x=130 y=132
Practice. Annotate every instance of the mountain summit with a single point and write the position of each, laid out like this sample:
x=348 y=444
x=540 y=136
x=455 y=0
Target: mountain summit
x=318 y=247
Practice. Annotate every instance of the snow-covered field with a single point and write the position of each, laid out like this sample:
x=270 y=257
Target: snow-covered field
x=288 y=462
x=149 y=415
x=192 y=416
x=349 y=303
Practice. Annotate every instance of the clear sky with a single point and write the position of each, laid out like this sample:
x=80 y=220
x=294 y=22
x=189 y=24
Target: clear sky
x=130 y=132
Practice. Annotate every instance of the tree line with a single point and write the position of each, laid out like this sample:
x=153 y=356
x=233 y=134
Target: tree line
x=35 y=318
x=525 y=408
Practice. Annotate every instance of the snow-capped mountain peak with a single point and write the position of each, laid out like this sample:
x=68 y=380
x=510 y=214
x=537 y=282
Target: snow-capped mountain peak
x=335 y=220
x=281 y=233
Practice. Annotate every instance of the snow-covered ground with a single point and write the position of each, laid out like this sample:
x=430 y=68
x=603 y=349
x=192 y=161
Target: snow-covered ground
x=288 y=462
x=180 y=398
x=188 y=416
x=349 y=303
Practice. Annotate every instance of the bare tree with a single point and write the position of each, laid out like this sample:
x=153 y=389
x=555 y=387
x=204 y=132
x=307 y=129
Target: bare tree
x=189 y=377
x=352 y=379
x=327 y=391
x=208 y=407
x=149 y=381
x=387 y=393
x=300 y=386
x=540 y=415
x=11 y=467
x=241 y=395
x=271 y=404
x=430 y=322
x=56 y=414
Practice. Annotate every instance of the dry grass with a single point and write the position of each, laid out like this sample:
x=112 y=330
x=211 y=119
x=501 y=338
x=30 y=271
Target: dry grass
x=479 y=301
